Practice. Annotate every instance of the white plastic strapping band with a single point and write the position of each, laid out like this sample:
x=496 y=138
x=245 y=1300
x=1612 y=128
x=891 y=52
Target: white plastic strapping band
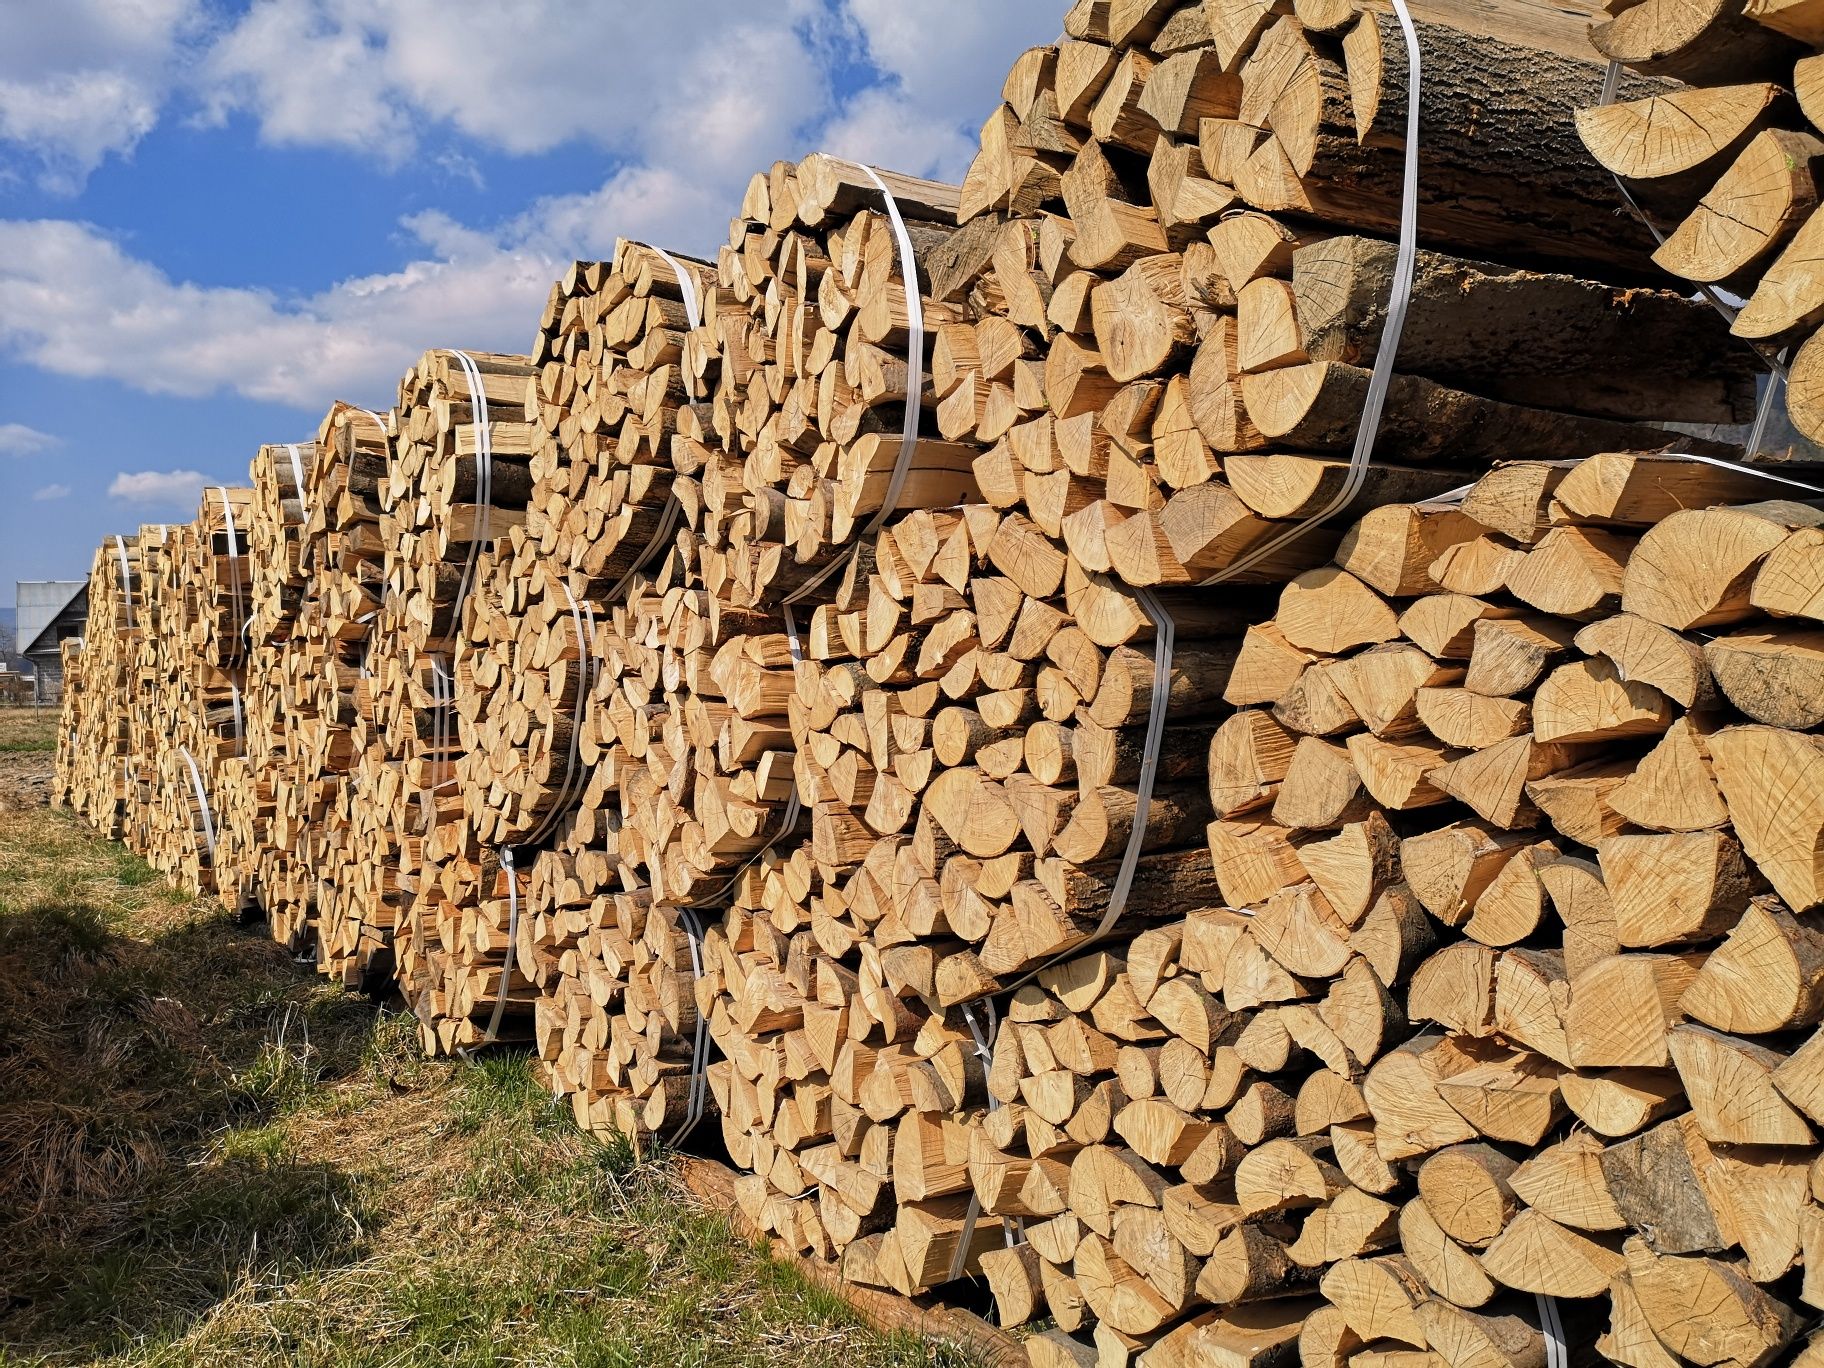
x=506 y=966
x=661 y=536
x=1557 y=1353
x=1361 y=457
x=673 y=510
x=915 y=350
x=699 y=1050
x=908 y=445
x=126 y=578
x=1165 y=640
x=1012 y=1230
x=1461 y=492
x=443 y=703
x=1758 y=472
x=575 y=777
x=297 y=478
x=234 y=558
x=484 y=485
x=1775 y=362
x=202 y=801
x=686 y=285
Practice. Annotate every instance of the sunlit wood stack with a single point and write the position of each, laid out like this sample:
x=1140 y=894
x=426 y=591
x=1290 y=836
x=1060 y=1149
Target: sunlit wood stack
x=457 y=482
x=971 y=723
x=316 y=692
x=612 y=375
x=1518 y=852
x=250 y=790
x=845 y=1101
x=187 y=734
x=94 y=773
x=1187 y=210
x=814 y=381
x=1470 y=952
x=73 y=768
x=560 y=671
x=1727 y=163
x=280 y=477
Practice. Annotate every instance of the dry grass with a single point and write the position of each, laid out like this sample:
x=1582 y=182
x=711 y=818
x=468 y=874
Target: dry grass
x=208 y=1157
x=30 y=731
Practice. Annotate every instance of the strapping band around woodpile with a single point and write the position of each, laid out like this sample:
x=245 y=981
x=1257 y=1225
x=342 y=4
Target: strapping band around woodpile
x=1182 y=697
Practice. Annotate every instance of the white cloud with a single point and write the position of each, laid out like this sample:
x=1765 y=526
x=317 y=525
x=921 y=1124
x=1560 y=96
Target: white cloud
x=311 y=80
x=950 y=56
x=50 y=492
x=713 y=87
x=74 y=303
x=702 y=94
x=715 y=76
x=174 y=487
x=83 y=79
x=884 y=128
x=16 y=439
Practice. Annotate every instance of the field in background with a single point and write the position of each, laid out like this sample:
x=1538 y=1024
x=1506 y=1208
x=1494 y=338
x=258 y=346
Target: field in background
x=209 y=1157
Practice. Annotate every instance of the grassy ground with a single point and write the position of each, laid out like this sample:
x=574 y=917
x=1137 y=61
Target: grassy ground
x=208 y=1157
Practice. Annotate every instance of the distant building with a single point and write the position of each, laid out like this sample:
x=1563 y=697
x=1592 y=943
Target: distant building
x=50 y=611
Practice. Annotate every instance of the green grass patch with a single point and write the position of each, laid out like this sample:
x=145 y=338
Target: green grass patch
x=209 y=1158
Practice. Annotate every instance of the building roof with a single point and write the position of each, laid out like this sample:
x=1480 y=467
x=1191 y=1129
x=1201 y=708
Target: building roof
x=41 y=604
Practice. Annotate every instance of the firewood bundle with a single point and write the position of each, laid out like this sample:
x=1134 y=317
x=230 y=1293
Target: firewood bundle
x=560 y=673
x=189 y=719
x=280 y=475
x=832 y=1086
x=792 y=729
x=94 y=771
x=252 y=787
x=1519 y=1006
x=449 y=949
x=305 y=688
x=612 y=374
x=1169 y=345
x=531 y=648
x=457 y=480
x=1726 y=163
x=144 y=683
x=815 y=381
x=618 y=1023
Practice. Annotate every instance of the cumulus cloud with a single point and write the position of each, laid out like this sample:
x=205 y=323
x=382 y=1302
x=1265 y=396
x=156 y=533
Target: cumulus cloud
x=376 y=75
x=50 y=492
x=884 y=128
x=950 y=56
x=74 y=302
x=165 y=487
x=721 y=86
x=81 y=80
x=16 y=439
x=309 y=78
x=703 y=94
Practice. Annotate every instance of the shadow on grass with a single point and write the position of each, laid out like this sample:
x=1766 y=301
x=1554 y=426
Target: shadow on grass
x=139 y=1180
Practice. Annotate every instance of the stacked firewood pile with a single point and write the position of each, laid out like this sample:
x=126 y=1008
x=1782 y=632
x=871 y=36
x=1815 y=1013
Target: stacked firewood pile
x=1519 y=1006
x=1726 y=163
x=95 y=747
x=796 y=701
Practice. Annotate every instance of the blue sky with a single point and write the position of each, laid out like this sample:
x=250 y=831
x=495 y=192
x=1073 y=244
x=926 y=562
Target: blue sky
x=216 y=218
